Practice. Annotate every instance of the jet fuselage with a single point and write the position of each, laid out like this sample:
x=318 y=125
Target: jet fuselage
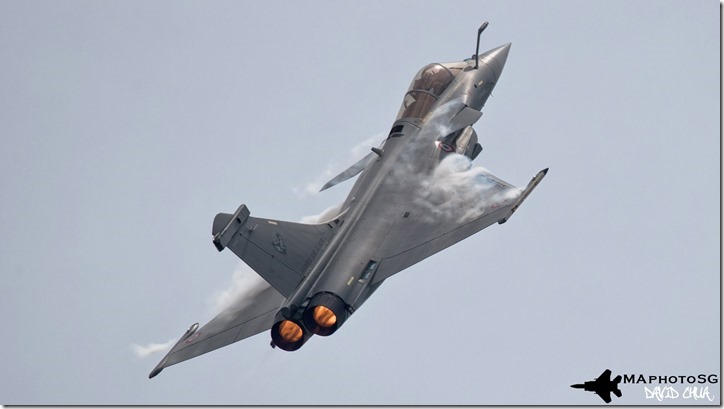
x=343 y=276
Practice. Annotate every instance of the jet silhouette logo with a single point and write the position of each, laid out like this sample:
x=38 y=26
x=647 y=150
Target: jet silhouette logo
x=602 y=386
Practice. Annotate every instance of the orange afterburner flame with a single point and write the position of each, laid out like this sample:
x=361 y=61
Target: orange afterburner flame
x=323 y=316
x=290 y=331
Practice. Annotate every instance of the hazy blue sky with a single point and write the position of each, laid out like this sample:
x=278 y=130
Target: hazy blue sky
x=126 y=126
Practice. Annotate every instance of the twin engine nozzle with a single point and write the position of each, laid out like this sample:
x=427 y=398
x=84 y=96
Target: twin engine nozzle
x=324 y=314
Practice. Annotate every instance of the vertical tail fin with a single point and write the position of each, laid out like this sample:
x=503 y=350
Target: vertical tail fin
x=279 y=251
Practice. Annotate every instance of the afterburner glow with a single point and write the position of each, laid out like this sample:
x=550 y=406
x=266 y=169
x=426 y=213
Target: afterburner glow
x=290 y=331
x=323 y=316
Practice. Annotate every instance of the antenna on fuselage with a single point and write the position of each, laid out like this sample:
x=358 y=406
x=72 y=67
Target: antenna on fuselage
x=477 y=46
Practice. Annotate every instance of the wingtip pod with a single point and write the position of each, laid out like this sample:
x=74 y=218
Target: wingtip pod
x=157 y=370
x=528 y=189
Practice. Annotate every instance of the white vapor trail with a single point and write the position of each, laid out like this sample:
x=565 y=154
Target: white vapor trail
x=458 y=191
x=152 y=348
x=356 y=153
x=452 y=189
x=326 y=215
x=363 y=148
x=245 y=284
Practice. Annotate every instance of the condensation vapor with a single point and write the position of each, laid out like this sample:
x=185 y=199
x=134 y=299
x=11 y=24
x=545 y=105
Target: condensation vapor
x=152 y=348
x=451 y=189
x=245 y=284
x=338 y=164
x=458 y=191
x=326 y=215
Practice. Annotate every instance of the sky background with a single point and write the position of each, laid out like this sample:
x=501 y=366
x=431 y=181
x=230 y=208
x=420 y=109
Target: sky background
x=126 y=126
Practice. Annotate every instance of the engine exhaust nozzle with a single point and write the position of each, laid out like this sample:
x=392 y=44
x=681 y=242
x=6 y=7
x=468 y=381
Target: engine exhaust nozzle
x=288 y=335
x=325 y=313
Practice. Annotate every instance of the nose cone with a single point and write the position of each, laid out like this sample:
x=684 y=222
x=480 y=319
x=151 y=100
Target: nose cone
x=495 y=59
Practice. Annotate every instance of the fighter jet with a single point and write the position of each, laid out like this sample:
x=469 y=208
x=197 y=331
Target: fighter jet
x=416 y=195
x=602 y=386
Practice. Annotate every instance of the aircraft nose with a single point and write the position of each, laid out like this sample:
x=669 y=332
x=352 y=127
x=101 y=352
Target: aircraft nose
x=495 y=59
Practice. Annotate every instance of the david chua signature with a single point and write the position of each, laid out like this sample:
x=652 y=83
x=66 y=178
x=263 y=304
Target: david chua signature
x=669 y=392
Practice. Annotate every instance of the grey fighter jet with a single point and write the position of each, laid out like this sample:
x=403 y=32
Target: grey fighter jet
x=416 y=195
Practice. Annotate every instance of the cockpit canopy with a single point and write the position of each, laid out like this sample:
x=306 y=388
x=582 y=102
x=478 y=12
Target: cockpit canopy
x=427 y=86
